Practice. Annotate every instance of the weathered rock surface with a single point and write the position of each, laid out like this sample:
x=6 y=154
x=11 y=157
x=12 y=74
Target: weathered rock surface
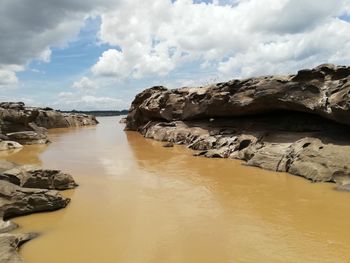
x=297 y=123
x=25 y=190
x=9 y=145
x=28 y=125
x=15 y=200
x=30 y=176
x=28 y=137
x=9 y=243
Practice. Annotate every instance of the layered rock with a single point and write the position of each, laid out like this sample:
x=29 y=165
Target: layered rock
x=25 y=190
x=296 y=123
x=31 y=176
x=27 y=125
x=28 y=137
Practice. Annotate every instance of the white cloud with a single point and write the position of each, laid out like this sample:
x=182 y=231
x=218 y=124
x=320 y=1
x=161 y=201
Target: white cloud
x=132 y=63
x=85 y=84
x=244 y=37
x=230 y=38
x=327 y=43
x=28 y=29
x=65 y=95
x=7 y=78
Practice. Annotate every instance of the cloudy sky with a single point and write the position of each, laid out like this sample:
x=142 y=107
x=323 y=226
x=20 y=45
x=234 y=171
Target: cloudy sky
x=98 y=54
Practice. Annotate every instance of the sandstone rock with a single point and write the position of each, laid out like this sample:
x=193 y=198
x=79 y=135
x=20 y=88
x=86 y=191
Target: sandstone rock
x=54 y=119
x=15 y=200
x=297 y=123
x=9 y=145
x=34 y=177
x=323 y=91
x=32 y=122
x=25 y=189
x=28 y=137
x=5 y=165
x=9 y=244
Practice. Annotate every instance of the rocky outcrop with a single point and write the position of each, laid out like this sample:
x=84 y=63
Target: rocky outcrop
x=31 y=176
x=25 y=190
x=28 y=137
x=28 y=125
x=296 y=123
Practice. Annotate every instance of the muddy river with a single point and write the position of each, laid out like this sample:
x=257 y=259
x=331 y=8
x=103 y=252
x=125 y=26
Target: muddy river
x=140 y=202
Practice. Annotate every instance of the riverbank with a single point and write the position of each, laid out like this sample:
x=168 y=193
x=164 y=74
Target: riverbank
x=297 y=123
x=23 y=125
x=27 y=189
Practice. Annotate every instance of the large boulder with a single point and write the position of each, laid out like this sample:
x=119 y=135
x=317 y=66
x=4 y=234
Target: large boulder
x=30 y=176
x=323 y=91
x=16 y=200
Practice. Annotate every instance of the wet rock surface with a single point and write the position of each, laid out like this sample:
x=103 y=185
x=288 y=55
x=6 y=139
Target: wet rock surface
x=28 y=137
x=297 y=124
x=25 y=190
x=9 y=145
x=28 y=125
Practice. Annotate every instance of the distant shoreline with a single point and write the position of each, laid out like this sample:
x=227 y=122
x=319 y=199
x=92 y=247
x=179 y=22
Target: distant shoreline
x=101 y=113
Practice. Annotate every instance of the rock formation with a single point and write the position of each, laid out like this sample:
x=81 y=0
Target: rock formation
x=25 y=190
x=27 y=125
x=296 y=123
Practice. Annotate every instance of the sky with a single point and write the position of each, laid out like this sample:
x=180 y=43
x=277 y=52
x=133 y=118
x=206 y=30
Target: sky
x=98 y=54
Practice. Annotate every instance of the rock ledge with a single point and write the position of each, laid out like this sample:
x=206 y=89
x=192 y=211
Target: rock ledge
x=296 y=123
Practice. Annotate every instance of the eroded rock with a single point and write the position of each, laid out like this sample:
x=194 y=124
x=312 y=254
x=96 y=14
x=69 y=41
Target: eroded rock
x=26 y=189
x=297 y=123
x=28 y=137
x=9 y=244
x=28 y=125
x=9 y=145
x=34 y=177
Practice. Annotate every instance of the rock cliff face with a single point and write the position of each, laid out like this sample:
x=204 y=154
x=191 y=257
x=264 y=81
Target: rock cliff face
x=25 y=190
x=27 y=125
x=296 y=123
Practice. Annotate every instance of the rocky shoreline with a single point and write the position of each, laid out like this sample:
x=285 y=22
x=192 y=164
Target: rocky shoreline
x=296 y=123
x=26 y=189
x=20 y=125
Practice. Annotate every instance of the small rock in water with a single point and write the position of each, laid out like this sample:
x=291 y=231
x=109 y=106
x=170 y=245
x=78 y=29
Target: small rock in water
x=122 y=120
x=168 y=145
x=345 y=187
x=9 y=145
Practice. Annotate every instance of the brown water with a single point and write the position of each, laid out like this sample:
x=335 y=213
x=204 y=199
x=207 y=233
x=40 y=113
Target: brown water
x=139 y=202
